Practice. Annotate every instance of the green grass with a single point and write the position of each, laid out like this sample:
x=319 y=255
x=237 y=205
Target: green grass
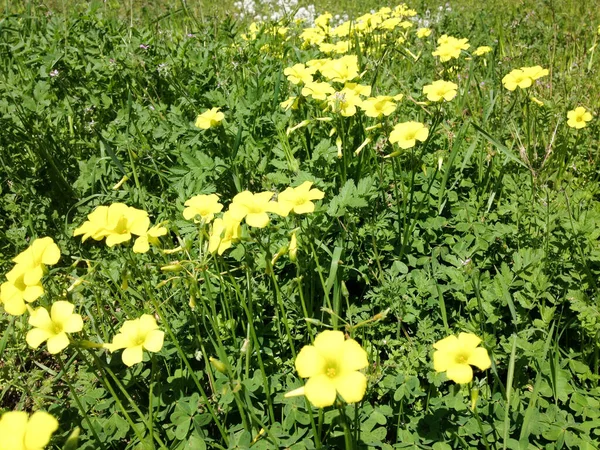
x=488 y=227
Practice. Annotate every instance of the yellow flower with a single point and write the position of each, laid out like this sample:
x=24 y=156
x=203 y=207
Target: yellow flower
x=446 y=52
x=142 y=243
x=455 y=356
x=24 y=279
x=18 y=431
x=382 y=105
x=15 y=292
x=323 y=20
x=53 y=327
x=439 y=90
x=225 y=231
x=391 y=23
x=535 y=72
x=317 y=90
x=342 y=69
x=299 y=73
x=42 y=252
x=312 y=36
x=135 y=336
x=253 y=208
x=578 y=117
x=299 y=199
x=117 y=223
x=423 y=32
x=332 y=367
x=516 y=78
x=480 y=51
x=210 y=118
x=358 y=89
x=450 y=47
x=407 y=134
x=203 y=205
x=344 y=102
x=536 y=100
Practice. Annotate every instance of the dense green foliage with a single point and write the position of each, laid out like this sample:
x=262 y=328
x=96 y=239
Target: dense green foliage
x=490 y=226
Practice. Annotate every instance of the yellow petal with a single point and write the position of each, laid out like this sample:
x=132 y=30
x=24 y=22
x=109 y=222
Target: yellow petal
x=147 y=323
x=39 y=429
x=13 y=426
x=33 y=275
x=74 y=324
x=40 y=318
x=15 y=306
x=32 y=293
x=449 y=342
x=133 y=355
x=480 y=358
x=295 y=392
x=460 y=373
x=36 y=336
x=154 y=340
x=51 y=254
x=320 y=391
x=442 y=359
x=304 y=208
x=351 y=386
x=309 y=362
x=258 y=220
x=61 y=311
x=468 y=341
x=57 y=343
x=353 y=356
x=141 y=245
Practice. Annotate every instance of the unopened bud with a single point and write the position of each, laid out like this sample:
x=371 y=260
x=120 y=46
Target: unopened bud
x=174 y=267
x=218 y=365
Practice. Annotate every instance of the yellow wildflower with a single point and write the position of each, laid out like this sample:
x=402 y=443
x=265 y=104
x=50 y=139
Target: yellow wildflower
x=53 y=327
x=332 y=367
x=19 y=431
x=423 y=32
x=135 y=336
x=382 y=105
x=318 y=90
x=225 y=231
x=253 y=208
x=210 y=118
x=455 y=356
x=203 y=205
x=299 y=73
x=578 y=117
x=342 y=69
x=439 y=90
x=407 y=134
x=299 y=199
x=480 y=51
x=142 y=243
x=535 y=72
x=516 y=78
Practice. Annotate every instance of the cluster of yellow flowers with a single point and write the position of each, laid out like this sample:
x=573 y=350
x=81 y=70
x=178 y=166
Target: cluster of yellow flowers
x=24 y=281
x=332 y=365
x=118 y=223
x=523 y=77
x=253 y=208
x=450 y=47
x=19 y=431
x=382 y=21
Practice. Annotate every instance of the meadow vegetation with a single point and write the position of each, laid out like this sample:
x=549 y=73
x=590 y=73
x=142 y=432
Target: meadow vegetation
x=244 y=225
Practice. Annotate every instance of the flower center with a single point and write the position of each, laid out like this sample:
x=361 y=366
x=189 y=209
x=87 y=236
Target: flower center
x=57 y=328
x=331 y=372
x=461 y=358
